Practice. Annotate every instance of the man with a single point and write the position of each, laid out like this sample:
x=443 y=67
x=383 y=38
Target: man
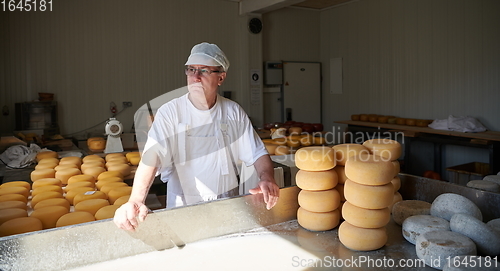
x=195 y=142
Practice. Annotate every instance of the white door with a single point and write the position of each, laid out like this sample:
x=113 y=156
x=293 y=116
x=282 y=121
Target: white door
x=302 y=91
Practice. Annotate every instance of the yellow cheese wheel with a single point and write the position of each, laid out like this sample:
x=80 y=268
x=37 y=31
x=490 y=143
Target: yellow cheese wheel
x=9 y=214
x=15 y=197
x=81 y=178
x=88 y=196
x=307 y=140
x=315 y=158
x=134 y=160
x=369 y=170
x=108 y=174
x=383 y=147
x=340 y=187
x=74 y=218
x=319 y=201
x=121 y=200
x=91 y=205
x=280 y=141
x=20 y=225
x=70 y=195
x=396 y=182
x=365 y=218
x=112 y=185
x=13 y=204
x=93 y=171
x=119 y=192
x=46 y=154
x=16 y=184
x=132 y=154
x=79 y=184
x=111 y=156
x=46 y=188
x=92 y=157
x=50 y=160
x=103 y=182
x=71 y=160
x=15 y=190
x=53 y=202
x=42 y=173
x=46 y=181
x=271 y=148
x=64 y=166
x=293 y=141
x=319 y=140
x=46 y=165
x=316 y=180
x=91 y=164
x=96 y=144
x=369 y=196
x=344 y=151
x=282 y=150
x=106 y=212
x=66 y=173
x=124 y=169
x=43 y=196
x=49 y=215
x=318 y=221
x=362 y=239
x=118 y=159
x=341 y=177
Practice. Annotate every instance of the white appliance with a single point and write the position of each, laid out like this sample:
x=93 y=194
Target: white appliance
x=113 y=130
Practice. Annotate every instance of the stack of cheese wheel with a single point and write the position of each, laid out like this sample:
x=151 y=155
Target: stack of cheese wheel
x=319 y=200
x=50 y=163
x=368 y=192
x=13 y=199
x=93 y=165
x=68 y=167
x=118 y=162
x=389 y=150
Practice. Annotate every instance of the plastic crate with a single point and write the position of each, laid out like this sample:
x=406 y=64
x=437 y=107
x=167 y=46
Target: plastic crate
x=462 y=174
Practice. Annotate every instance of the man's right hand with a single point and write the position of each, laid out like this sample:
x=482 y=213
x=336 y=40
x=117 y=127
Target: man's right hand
x=127 y=215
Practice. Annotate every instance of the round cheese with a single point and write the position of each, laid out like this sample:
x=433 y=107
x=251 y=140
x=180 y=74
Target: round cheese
x=20 y=225
x=43 y=196
x=282 y=150
x=50 y=160
x=417 y=225
x=88 y=196
x=315 y=158
x=42 y=173
x=46 y=165
x=119 y=192
x=13 y=197
x=111 y=156
x=66 y=173
x=383 y=147
x=46 y=154
x=15 y=190
x=494 y=224
x=106 y=212
x=49 y=215
x=46 y=188
x=74 y=218
x=362 y=239
x=92 y=157
x=121 y=200
x=307 y=140
x=135 y=160
x=406 y=208
x=492 y=178
x=112 y=185
x=65 y=166
x=448 y=204
x=484 y=185
x=369 y=170
x=396 y=182
x=16 y=184
x=103 y=182
x=316 y=180
x=91 y=164
x=13 y=204
x=121 y=159
x=91 y=205
x=93 y=171
x=365 y=218
x=53 y=202
x=344 y=151
x=319 y=140
x=132 y=154
x=369 y=196
x=318 y=221
x=487 y=239
x=81 y=178
x=96 y=144
x=70 y=195
x=79 y=184
x=340 y=174
x=108 y=174
x=46 y=181
x=271 y=148
x=429 y=247
x=319 y=201
x=9 y=214
x=75 y=160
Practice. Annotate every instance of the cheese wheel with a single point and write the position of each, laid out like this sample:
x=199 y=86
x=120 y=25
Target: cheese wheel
x=494 y=224
x=315 y=158
x=319 y=201
x=96 y=144
x=119 y=192
x=397 y=167
x=15 y=190
x=65 y=166
x=369 y=170
x=365 y=218
x=396 y=182
x=307 y=140
x=91 y=164
x=319 y=140
x=16 y=184
x=114 y=163
x=43 y=196
x=111 y=156
x=487 y=239
x=71 y=160
x=13 y=204
x=363 y=117
x=112 y=185
x=103 y=182
x=318 y=221
x=53 y=202
x=46 y=154
x=340 y=174
x=66 y=173
x=88 y=196
x=81 y=178
x=49 y=215
x=293 y=141
x=492 y=178
x=383 y=147
x=46 y=165
x=9 y=214
x=46 y=181
x=108 y=174
x=340 y=187
x=417 y=225
x=121 y=159
x=74 y=218
x=280 y=141
x=50 y=160
x=93 y=171
x=362 y=239
x=316 y=180
x=70 y=195
x=369 y=196
x=79 y=184
x=132 y=154
x=92 y=157
x=91 y=205
x=282 y=150
x=448 y=204
x=484 y=185
x=46 y=188
x=15 y=197
x=121 y=200
x=406 y=208
x=42 y=173
x=20 y=225
x=344 y=151
x=271 y=148
x=429 y=247
x=134 y=160
x=106 y=212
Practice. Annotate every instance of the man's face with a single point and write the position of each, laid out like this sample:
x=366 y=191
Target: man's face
x=204 y=78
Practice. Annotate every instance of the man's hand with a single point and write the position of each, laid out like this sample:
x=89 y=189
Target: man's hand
x=270 y=191
x=126 y=216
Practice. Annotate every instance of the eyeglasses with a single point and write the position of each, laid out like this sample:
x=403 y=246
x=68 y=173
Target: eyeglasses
x=203 y=72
